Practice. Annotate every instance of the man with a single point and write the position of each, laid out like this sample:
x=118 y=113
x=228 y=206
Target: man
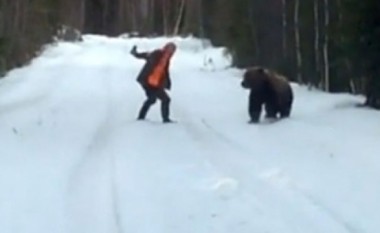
x=154 y=79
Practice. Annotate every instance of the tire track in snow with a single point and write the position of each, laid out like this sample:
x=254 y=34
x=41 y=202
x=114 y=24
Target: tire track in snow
x=234 y=158
x=98 y=161
x=231 y=160
x=311 y=199
x=324 y=208
x=226 y=139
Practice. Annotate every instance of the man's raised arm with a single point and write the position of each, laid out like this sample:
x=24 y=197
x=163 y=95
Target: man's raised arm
x=139 y=55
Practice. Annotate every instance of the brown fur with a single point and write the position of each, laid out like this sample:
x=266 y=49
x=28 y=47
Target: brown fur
x=269 y=88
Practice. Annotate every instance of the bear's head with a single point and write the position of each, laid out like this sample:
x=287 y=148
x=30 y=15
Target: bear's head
x=253 y=77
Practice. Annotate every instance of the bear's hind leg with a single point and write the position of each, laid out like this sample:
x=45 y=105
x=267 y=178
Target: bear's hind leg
x=271 y=111
x=285 y=113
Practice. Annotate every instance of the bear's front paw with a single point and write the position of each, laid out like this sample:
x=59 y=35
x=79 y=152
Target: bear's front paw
x=253 y=121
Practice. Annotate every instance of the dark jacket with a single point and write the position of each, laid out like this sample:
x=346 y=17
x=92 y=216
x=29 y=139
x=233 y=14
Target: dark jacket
x=152 y=60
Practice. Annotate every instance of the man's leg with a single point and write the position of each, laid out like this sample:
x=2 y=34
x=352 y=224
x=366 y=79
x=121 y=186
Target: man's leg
x=165 y=105
x=151 y=99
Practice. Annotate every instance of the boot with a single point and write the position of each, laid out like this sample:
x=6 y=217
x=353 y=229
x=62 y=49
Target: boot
x=165 y=109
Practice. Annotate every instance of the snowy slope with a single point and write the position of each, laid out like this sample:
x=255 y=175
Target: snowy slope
x=73 y=158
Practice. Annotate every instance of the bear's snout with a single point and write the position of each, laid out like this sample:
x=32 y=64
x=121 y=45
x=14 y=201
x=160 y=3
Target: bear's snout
x=244 y=84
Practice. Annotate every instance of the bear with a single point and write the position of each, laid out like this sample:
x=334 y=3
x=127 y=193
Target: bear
x=269 y=88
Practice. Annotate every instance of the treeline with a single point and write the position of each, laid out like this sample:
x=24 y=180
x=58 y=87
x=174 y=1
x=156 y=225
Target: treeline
x=333 y=45
x=24 y=27
x=329 y=44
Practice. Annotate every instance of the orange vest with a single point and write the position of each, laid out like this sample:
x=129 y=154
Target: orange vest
x=155 y=78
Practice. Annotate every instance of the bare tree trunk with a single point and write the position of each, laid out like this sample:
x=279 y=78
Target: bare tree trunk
x=316 y=40
x=165 y=16
x=152 y=16
x=17 y=24
x=132 y=13
x=326 y=48
x=82 y=14
x=120 y=24
x=346 y=66
x=192 y=17
x=284 y=27
x=340 y=15
x=145 y=16
x=253 y=29
x=179 y=18
x=201 y=19
x=105 y=16
x=297 y=41
x=352 y=86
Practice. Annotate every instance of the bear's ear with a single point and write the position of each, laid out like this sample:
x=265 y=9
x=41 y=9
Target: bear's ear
x=261 y=70
x=245 y=75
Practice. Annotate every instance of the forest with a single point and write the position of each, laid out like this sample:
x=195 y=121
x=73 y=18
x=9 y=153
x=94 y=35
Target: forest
x=332 y=45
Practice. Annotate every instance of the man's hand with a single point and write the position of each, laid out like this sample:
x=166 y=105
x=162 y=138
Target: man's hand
x=138 y=55
x=134 y=49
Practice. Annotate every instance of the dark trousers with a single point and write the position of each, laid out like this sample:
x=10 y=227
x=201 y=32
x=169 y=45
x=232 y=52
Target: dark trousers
x=152 y=95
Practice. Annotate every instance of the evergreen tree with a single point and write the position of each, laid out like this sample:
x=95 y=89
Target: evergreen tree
x=369 y=48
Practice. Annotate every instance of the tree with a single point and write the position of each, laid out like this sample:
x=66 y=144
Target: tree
x=369 y=27
x=326 y=46
x=316 y=42
x=298 y=41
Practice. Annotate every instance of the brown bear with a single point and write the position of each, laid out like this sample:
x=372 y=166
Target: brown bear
x=269 y=88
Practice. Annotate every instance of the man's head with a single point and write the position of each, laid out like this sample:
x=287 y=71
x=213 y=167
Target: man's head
x=170 y=48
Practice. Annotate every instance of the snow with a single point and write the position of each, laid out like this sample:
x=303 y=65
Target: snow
x=73 y=158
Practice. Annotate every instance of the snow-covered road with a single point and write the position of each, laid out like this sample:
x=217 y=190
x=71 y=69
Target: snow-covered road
x=74 y=159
